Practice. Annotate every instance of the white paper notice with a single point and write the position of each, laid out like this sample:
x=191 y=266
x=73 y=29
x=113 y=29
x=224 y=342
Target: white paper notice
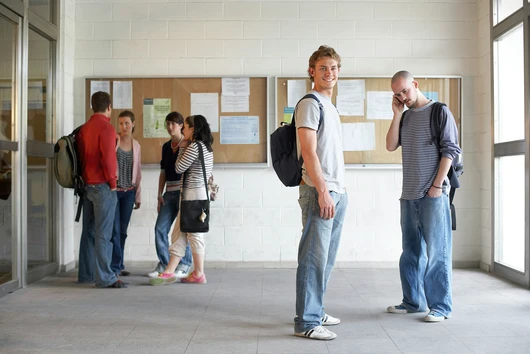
x=206 y=104
x=379 y=104
x=96 y=86
x=350 y=87
x=236 y=86
x=358 y=136
x=240 y=130
x=122 y=94
x=351 y=105
x=155 y=112
x=234 y=103
x=296 y=89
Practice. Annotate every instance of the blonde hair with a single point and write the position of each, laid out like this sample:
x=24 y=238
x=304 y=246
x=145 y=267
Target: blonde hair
x=322 y=52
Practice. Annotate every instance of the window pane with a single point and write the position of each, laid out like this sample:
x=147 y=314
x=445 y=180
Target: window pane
x=8 y=33
x=509 y=86
x=6 y=241
x=510 y=211
x=42 y=8
x=504 y=9
x=7 y=64
x=39 y=204
x=39 y=114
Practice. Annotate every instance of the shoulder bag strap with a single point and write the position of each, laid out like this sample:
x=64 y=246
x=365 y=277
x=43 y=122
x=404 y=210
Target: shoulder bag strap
x=201 y=158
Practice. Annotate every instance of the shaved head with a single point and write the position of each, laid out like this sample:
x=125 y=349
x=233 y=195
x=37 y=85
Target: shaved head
x=405 y=75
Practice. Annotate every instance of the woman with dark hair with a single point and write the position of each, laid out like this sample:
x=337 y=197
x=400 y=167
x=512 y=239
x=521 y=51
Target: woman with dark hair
x=197 y=135
x=128 y=192
x=168 y=202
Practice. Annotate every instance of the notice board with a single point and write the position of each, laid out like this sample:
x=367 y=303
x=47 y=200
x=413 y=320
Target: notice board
x=446 y=90
x=179 y=92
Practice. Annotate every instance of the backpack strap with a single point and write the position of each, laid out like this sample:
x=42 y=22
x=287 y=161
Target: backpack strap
x=79 y=207
x=293 y=122
x=320 y=106
x=438 y=122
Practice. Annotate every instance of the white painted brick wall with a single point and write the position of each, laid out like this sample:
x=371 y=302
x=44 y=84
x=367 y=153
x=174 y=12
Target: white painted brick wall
x=256 y=219
x=130 y=49
x=167 y=11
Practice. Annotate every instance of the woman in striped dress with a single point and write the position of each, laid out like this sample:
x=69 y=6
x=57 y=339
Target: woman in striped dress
x=129 y=191
x=197 y=135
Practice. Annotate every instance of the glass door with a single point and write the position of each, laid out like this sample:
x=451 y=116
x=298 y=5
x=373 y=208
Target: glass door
x=10 y=62
x=41 y=250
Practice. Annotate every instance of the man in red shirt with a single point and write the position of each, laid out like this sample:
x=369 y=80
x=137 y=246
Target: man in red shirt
x=97 y=151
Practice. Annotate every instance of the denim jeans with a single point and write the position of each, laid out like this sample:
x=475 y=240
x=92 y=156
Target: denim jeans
x=95 y=249
x=316 y=256
x=166 y=217
x=425 y=264
x=122 y=216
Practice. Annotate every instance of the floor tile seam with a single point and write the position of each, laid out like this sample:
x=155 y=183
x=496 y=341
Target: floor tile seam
x=389 y=336
x=349 y=282
x=191 y=339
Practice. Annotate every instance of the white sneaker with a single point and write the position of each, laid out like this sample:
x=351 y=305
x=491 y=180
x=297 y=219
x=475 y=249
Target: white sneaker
x=328 y=320
x=434 y=316
x=317 y=332
x=153 y=274
x=179 y=273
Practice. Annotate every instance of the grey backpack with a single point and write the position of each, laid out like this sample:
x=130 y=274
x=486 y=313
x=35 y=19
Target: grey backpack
x=67 y=167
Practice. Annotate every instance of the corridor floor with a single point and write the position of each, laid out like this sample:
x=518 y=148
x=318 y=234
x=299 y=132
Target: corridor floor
x=252 y=311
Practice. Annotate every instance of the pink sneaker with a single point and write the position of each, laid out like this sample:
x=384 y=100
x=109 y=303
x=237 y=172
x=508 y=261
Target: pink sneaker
x=192 y=279
x=163 y=279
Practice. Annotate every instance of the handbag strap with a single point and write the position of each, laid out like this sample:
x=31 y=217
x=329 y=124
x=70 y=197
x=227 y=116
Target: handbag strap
x=201 y=158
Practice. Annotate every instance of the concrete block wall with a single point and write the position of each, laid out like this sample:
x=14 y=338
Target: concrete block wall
x=257 y=220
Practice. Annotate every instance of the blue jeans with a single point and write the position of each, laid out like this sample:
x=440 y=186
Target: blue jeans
x=122 y=216
x=95 y=249
x=425 y=264
x=166 y=217
x=316 y=256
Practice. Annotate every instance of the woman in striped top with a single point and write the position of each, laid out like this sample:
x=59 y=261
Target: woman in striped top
x=197 y=135
x=128 y=191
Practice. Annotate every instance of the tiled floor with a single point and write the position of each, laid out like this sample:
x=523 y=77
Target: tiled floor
x=251 y=311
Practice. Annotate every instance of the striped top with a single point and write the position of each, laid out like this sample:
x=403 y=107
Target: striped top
x=188 y=161
x=125 y=167
x=421 y=156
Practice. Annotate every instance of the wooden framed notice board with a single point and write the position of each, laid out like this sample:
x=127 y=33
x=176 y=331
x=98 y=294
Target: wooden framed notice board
x=375 y=95
x=178 y=91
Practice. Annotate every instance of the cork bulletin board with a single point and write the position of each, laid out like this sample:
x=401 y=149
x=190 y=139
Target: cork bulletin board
x=179 y=90
x=447 y=90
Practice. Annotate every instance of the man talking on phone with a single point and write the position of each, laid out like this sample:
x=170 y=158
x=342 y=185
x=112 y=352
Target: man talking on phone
x=425 y=264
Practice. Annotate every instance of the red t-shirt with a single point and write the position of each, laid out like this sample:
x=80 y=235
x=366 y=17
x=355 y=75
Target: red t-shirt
x=96 y=142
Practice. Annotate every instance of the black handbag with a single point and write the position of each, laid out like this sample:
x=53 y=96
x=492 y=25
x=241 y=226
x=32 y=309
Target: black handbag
x=195 y=214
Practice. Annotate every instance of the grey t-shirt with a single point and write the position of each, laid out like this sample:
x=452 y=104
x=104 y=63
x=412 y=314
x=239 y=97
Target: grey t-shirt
x=329 y=139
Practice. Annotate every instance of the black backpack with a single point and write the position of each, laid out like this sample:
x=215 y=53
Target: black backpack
x=284 y=154
x=67 y=167
x=438 y=120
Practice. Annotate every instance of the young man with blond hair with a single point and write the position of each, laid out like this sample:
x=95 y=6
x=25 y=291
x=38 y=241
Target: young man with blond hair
x=323 y=197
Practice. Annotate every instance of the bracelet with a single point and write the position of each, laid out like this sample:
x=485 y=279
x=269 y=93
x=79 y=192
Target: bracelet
x=436 y=187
